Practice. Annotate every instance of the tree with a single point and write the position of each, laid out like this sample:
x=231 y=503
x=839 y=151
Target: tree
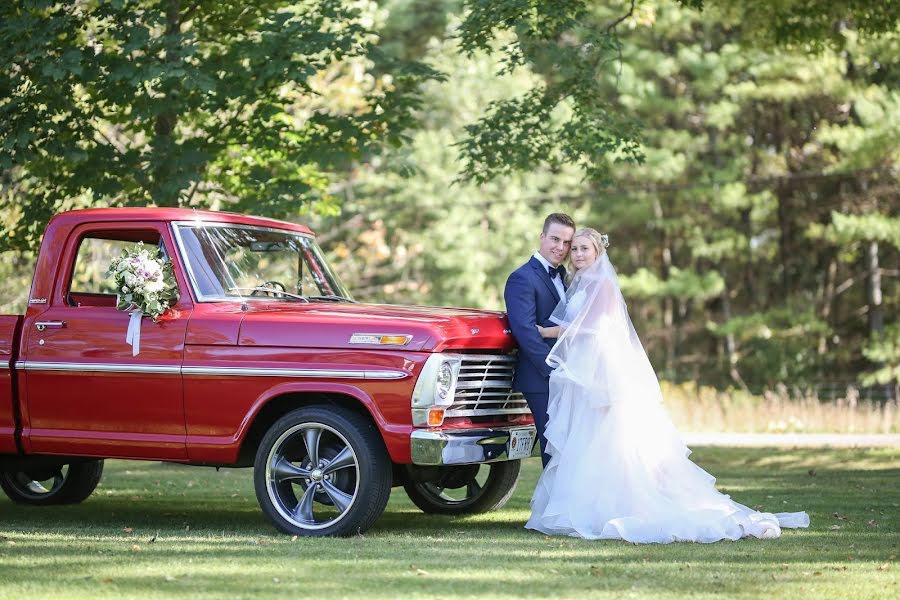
x=203 y=103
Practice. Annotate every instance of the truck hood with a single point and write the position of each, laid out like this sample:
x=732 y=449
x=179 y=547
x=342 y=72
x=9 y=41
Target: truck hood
x=329 y=325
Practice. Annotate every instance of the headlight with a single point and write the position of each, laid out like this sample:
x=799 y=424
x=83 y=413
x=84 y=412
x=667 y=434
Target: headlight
x=444 y=381
x=435 y=389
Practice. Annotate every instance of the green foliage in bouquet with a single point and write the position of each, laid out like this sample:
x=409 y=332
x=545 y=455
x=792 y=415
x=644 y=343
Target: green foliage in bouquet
x=143 y=282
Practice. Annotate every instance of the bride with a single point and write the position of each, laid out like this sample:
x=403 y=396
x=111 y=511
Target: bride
x=618 y=468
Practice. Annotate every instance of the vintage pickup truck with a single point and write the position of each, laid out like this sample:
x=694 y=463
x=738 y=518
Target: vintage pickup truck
x=265 y=360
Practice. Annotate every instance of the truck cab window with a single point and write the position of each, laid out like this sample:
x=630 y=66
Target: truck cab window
x=89 y=285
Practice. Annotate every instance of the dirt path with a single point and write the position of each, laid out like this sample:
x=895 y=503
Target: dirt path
x=838 y=440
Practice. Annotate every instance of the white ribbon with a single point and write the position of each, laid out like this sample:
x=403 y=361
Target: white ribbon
x=133 y=336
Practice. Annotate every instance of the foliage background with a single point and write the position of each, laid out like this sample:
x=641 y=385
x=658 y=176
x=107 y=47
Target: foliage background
x=756 y=226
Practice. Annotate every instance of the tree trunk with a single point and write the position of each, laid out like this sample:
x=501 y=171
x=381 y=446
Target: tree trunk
x=730 y=343
x=167 y=119
x=827 y=301
x=873 y=291
x=667 y=303
x=784 y=242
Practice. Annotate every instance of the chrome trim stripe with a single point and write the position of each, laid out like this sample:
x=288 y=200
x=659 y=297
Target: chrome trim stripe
x=98 y=367
x=198 y=370
x=320 y=373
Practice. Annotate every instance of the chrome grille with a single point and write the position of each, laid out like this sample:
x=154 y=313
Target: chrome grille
x=484 y=387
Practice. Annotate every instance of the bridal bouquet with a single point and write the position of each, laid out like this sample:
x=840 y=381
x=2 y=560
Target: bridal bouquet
x=143 y=283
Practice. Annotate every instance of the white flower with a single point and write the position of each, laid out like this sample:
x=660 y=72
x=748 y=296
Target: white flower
x=154 y=286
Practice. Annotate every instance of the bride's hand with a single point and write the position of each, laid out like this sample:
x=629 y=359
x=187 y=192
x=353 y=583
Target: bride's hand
x=548 y=332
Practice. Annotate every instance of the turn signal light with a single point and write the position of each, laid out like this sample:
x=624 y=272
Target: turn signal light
x=382 y=340
x=435 y=417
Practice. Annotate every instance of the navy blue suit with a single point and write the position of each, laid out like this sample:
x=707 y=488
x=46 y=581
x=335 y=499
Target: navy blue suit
x=531 y=298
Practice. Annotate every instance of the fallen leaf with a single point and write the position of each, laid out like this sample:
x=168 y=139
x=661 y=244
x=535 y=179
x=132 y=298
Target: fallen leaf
x=128 y=529
x=169 y=578
x=107 y=580
x=135 y=548
x=293 y=538
x=883 y=567
x=817 y=573
x=872 y=523
x=850 y=557
x=840 y=517
x=596 y=571
x=833 y=527
x=421 y=572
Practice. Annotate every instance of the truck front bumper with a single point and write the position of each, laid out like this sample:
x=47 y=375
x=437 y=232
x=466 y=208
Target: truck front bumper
x=469 y=446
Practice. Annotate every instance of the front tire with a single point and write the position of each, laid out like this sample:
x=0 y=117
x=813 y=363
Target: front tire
x=464 y=489
x=70 y=483
x=322 y=472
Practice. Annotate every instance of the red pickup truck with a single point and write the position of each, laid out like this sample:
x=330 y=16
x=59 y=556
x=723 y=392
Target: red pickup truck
x=264 y=360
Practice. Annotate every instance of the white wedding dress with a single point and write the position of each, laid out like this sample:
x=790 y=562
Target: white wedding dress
x=618 y=468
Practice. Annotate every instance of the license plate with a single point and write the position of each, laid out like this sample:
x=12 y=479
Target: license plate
x=521 y=443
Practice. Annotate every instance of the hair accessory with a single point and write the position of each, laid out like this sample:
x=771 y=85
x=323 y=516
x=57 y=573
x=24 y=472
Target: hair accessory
x=605 y=239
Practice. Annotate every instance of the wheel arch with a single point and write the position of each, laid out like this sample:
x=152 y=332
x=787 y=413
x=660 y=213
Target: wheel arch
x=280 y=400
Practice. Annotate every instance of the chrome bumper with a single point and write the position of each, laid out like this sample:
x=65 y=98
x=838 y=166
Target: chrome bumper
x=464 y=446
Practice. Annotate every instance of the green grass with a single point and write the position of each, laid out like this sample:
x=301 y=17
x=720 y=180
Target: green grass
x=162 y=531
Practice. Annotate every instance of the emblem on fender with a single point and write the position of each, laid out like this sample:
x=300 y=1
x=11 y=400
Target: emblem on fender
x=474 y=331
x=37 y=301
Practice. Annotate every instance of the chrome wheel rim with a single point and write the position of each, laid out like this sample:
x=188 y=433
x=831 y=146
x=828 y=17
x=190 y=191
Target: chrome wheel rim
x=312 y=476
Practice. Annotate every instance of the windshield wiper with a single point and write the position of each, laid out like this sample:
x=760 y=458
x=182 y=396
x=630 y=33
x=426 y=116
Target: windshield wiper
x=332 y=298
x=268 y=290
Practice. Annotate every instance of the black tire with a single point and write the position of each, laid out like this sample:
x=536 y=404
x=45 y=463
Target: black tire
x=478 y=497
x=68 y=484
x=351 y=480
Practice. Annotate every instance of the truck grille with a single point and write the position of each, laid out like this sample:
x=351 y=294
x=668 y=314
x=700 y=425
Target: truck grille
x=484 y=388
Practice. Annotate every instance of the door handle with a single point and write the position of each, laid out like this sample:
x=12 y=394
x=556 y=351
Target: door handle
x=42 y=325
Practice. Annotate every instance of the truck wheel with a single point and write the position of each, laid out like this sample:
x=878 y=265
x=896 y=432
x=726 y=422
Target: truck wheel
x=322 y=472
x=67 y=484
x=466 y=489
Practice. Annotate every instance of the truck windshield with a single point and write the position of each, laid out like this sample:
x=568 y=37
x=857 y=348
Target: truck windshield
x=227 y=261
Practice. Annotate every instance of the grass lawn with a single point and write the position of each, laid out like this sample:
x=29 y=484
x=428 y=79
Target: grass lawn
x=158 y=530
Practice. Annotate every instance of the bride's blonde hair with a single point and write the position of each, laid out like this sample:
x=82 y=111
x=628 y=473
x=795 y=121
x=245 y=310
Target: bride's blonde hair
x=595 y=236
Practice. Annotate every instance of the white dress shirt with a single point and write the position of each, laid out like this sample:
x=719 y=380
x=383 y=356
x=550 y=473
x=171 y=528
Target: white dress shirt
x=557 y=280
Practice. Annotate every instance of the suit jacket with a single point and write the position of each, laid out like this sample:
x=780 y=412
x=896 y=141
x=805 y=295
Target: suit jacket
x=531 y=298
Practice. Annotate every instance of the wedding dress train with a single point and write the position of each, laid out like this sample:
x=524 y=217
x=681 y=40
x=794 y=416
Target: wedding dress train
x=618 y=467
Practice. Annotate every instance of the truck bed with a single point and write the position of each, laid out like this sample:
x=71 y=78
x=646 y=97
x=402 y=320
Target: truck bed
x=10 y=328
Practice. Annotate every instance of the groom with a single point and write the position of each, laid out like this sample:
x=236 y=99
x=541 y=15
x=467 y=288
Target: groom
x=532 y=292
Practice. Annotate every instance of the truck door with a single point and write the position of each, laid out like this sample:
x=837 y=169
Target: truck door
x=86 y=394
